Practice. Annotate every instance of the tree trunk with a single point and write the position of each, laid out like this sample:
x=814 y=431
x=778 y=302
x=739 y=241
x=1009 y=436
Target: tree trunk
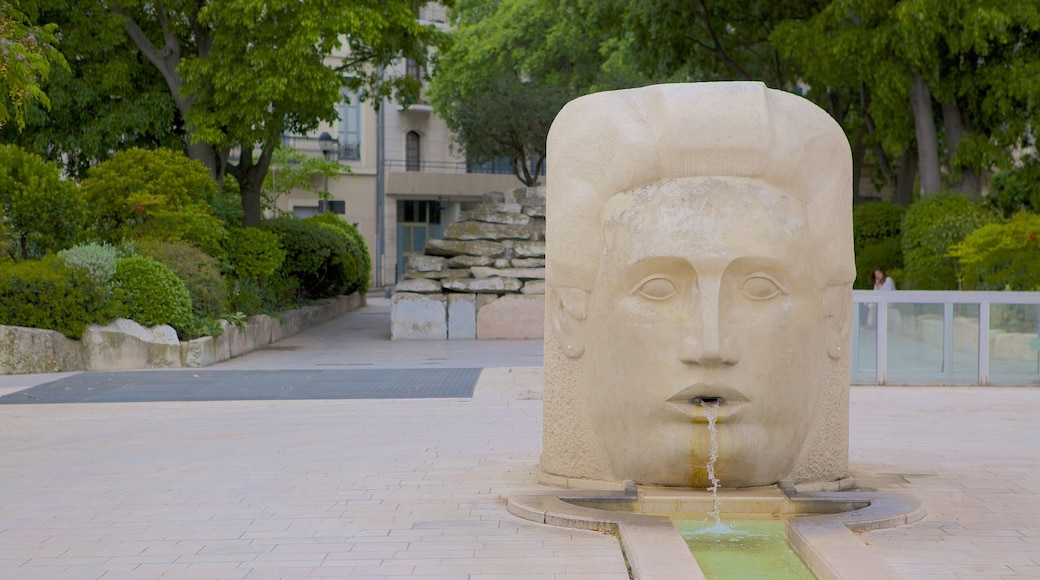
x=954 y=125
x=903 y=192
x=927 y=140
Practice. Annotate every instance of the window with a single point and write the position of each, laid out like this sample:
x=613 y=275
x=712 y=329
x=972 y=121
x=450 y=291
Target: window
x=349 y=125
x=412 y=152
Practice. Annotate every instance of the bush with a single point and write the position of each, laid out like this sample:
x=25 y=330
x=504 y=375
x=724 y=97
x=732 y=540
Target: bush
x=930 y=228
x=151 y=294
x=48 y=294
x=360 y=263
x=316 y=257
x=877 y=228
x=199 y=272
x=1001 y=256
x=157 y=194
x=253 y=254
x=98 y=260
x=39 y=212
x=1017 y=189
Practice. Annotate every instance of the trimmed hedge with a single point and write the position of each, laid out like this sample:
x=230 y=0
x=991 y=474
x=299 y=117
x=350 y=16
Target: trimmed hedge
x=49 y=294
x=150 y=294
x=199 y=272
x=315 y=255
x=360 y=262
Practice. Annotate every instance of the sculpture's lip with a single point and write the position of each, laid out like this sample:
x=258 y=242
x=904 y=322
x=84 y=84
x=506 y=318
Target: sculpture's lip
x=693 y=401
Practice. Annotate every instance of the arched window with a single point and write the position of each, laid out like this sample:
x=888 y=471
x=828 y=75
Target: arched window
x=412 y=151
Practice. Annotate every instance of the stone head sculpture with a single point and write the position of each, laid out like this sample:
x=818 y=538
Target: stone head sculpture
x=699 y=251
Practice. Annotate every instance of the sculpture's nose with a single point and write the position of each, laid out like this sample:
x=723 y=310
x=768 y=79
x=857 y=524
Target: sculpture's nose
x=708 y=343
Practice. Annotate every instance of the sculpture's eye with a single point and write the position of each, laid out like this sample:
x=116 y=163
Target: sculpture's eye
x=760 y=287
x=656 y=288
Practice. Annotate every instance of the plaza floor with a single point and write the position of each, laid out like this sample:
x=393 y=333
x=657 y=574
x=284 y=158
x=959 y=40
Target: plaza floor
x=168 y=487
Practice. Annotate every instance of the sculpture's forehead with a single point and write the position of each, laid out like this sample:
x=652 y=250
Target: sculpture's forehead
x=705 y=215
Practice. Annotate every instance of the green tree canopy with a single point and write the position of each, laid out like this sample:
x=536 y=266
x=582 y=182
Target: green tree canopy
x=27 y=55
x=243 y=72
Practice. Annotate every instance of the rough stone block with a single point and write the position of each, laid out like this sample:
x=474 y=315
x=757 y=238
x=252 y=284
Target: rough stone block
x=527 y=263
x=494 y=197
x=35 y=350
x=512 y=317
x=521 y=273
x=445 y=273
x=529 y=249
x=485 y=285
x=502 y=263
x=535 y=210
x=469 y=261
x=420 y=285
x=462 y=317
x=474 y=230
x=494 y=217
x=418 y=317
x=424 y=263
x=124 y=344
x=473 y=248
x=533 y=287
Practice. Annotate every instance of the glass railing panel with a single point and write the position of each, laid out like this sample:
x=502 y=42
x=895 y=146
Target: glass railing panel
x=864 y=344
x=915 y=353
x=1014 y=344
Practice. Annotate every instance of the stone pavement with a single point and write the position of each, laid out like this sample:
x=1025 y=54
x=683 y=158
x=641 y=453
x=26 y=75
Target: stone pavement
x=417 y=487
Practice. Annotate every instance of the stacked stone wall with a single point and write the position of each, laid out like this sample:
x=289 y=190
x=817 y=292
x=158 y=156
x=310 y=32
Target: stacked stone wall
x=484 y=280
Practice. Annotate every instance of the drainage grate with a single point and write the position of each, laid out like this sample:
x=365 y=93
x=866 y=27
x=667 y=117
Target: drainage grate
x=155 y=386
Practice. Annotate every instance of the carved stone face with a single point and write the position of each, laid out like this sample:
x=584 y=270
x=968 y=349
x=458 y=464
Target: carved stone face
x=706 y=291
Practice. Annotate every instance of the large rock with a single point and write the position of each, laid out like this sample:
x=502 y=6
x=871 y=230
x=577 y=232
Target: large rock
x=462 y=317
x=521 y=273
x=473 y=248
x=35 y=350
x=465 y=261
x=418 y=317
x=526 y=263
x=495 y=217
x=124 y=345
x=420 y=285
x=533 y=287
x=529 y=249
x=446 y=273
x=512 y=317
x=473 y=230
x=484 y=285
x=424 y=263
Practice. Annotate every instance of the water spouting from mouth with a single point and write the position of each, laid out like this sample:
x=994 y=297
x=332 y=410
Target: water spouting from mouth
x=711 y=411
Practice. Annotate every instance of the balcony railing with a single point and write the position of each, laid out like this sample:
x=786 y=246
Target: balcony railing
x=945 y=338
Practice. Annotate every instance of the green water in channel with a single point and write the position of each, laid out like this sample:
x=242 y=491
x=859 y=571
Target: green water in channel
x=742 y=550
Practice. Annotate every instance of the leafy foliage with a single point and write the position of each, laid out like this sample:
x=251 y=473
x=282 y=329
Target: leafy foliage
x=358 y=259
x=41 y=213
x=930 y=228
x=1016 y=189
x=292 y=169
x=151 y=294
x=48 y=294
x=1001 y=256
x=315 y=255
x=199 y=272
x=244 y=72
x=876 y=229
x=27 y=55
x=254 y=254
x=97 y=260
x=154 y=194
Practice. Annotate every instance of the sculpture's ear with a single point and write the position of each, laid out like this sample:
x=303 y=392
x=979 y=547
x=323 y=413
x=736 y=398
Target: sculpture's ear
x=567 y=308
x=837 y=316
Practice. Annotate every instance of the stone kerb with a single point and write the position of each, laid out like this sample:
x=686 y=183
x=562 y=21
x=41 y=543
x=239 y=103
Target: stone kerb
x=126 y=345
x=484 y=280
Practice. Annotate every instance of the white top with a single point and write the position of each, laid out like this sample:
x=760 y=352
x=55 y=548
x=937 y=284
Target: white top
x=888 y=284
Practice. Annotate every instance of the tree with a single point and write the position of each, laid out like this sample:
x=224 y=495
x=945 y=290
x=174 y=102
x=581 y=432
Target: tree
x=27 y=55
x=108 y=99
x=292 y=169
x=243 y=72
x=40 y=213
x=511 y=66
x=951 y=82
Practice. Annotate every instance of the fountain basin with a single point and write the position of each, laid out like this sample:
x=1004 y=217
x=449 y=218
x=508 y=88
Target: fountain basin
x=819 y=526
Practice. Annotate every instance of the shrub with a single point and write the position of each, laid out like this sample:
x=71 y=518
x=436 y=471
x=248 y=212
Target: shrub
x=1002 y=256
x=98 y=260
x=158 y=194
x=253 y=254
x=877 y=228
x=39 y=212
x=315 y=256
x=360 y=262
x=199 y=272
x=151 y=294
x=48 y=294
x=930 y=227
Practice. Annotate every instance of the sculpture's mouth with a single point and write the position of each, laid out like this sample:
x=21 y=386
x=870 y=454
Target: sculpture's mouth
x=696 y=402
